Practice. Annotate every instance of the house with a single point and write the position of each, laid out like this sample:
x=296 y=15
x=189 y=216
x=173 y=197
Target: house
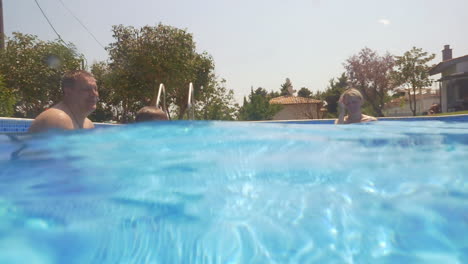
x=296 y=107
x=400 y=106
x=453 y=84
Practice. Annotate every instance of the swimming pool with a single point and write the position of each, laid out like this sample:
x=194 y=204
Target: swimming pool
x=232 y=192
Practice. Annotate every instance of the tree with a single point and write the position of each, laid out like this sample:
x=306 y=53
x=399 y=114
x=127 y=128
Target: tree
x=287 y=88
x=371 y=75
x=141 y=59
x=32 y=70
x=412 y=73
x=7 y=100
x=104 y=107
x=257 y=106
x=332 y=94
x=218 y=104
x=304 y=92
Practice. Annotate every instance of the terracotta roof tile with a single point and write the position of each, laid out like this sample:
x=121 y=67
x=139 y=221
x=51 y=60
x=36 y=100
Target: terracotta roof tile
x=286 y=100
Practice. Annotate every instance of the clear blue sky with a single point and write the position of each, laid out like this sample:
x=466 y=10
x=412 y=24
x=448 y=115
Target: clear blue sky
x=260 y=42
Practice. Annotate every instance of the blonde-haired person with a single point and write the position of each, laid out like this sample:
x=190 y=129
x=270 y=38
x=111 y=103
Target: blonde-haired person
x=351 y=101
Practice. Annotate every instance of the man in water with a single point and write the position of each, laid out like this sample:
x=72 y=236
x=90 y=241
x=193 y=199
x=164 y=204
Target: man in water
x=80 y=96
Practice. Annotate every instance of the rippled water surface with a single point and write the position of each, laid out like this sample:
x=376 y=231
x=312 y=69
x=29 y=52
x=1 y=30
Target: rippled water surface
x=214 y=192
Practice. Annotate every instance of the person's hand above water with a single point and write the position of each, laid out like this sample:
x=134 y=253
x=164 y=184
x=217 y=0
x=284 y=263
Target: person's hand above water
x=341 y=111
x=341 y=107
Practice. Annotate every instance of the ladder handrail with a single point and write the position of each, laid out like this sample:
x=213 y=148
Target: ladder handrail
x=162 y=88
x=191 y=102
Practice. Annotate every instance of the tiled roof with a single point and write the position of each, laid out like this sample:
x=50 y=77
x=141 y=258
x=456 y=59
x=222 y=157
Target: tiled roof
x=287 y=100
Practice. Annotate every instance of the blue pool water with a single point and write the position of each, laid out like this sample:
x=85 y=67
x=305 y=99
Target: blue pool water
x=218 y=192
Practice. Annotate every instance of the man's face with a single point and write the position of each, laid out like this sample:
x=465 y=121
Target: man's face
x=85 y=94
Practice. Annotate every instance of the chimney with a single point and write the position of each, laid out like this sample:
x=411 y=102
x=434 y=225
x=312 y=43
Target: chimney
x=446 y=53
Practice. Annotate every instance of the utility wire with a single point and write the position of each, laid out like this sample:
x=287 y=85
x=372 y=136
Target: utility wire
x=48 y=21
x=79 y=21
x=58 y=35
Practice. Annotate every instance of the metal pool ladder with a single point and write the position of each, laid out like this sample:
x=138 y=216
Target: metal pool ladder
x=158 y=99
x=191 y=103
x=162 y=89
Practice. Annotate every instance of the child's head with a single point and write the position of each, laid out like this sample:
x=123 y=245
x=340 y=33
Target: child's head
x=352 y=99
x=352 y=92
x=150 y=113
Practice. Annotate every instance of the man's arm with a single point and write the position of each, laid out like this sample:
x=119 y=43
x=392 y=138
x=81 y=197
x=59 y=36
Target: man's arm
x=367 y=118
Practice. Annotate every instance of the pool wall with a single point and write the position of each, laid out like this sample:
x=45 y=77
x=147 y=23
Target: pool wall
x=21 y=125
x=452 y=118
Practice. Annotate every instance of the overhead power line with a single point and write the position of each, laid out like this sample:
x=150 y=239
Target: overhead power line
x=81 y=23
x=48 y=21
x=58 y=35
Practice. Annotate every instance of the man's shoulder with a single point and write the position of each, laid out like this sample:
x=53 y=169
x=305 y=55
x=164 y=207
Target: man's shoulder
x=88 y=124
x=50 y=119
x=54 y=114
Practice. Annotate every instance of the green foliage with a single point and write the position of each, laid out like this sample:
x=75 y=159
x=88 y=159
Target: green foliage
x=304 y=92
x=141 y=59
x=412 y=72
x=452 y=113
x=7 y=100
x=285 y=87
x=257 y=106
x=104 y=108
x=217 y=104
x=332 y=94
x=32 y=70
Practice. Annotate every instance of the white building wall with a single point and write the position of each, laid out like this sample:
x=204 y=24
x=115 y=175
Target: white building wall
x=462 y=66
x=443 y=96
x=422 y=105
